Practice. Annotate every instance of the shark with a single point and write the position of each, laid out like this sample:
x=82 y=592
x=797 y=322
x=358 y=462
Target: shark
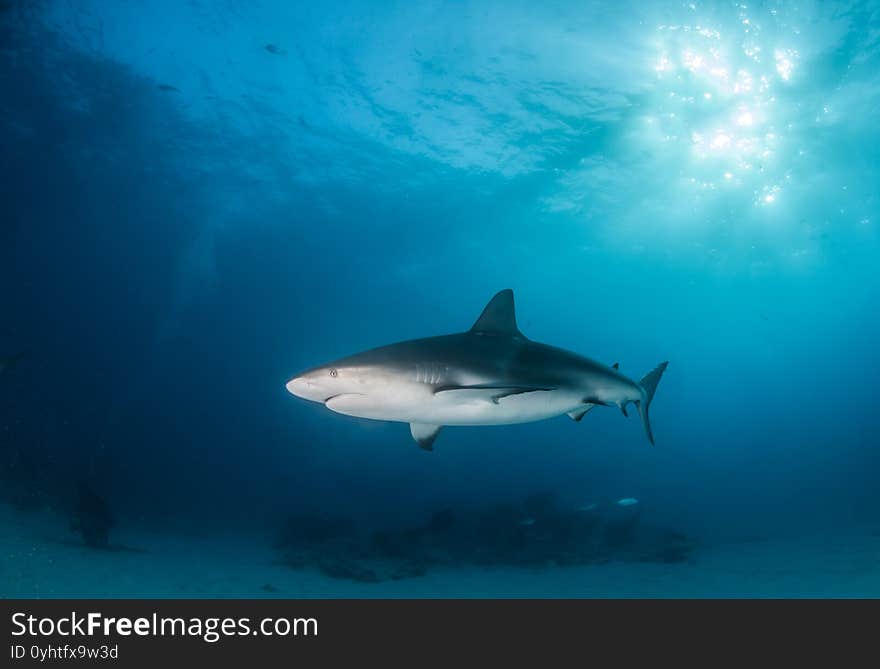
x=491 y=374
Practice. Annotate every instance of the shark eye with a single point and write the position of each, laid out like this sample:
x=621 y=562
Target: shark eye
x=333 y=372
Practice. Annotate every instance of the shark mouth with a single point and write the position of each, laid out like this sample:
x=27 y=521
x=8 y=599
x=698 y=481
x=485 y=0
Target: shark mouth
x=333 y=397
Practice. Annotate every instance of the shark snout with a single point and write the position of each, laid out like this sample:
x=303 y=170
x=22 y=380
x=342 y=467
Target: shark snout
x=295 y=385
x=316 y=385
x=306 y=389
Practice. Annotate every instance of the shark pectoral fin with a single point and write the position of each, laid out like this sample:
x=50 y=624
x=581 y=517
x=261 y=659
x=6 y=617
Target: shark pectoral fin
x=577 y=414
x=425 y=434
x=507 y=392
x=489 y=392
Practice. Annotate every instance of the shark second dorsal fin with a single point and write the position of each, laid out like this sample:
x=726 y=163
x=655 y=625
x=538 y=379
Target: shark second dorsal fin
x=499 y=316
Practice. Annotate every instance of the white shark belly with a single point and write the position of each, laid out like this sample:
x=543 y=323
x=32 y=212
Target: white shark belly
x=457 y=407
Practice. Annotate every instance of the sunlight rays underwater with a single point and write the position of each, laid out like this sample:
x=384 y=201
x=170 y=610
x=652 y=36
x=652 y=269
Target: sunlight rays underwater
x=738 y=147
x=724 y=101
x=718 y=131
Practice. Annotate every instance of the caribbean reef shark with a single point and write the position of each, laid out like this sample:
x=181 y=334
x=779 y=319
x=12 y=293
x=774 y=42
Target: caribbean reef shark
x=490 y=375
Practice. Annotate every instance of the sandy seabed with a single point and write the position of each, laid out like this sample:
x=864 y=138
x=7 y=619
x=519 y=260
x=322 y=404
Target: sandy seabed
x=39 y=557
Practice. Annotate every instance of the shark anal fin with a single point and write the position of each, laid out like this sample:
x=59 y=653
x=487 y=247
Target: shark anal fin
x=577 y=414
x=425 y=434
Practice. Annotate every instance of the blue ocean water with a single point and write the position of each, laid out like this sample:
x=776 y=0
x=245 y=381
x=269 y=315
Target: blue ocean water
x=201 y=199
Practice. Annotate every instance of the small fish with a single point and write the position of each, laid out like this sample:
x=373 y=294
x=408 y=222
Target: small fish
x=528 y=522
x=588 y=508
x=627 y=501
x=277 y=50
x=169 y=88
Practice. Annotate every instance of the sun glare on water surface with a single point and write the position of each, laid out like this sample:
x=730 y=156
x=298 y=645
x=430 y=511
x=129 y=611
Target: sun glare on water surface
x=720 y=104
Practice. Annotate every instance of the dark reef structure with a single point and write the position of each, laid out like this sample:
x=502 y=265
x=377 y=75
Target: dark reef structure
x=538 y=533
x=91 y=518
x=334 y=546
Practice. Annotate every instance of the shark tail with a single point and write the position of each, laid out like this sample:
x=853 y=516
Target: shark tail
x=649 y=385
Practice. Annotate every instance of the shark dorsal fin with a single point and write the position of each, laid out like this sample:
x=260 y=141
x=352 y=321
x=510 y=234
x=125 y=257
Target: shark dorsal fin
x=499 y=316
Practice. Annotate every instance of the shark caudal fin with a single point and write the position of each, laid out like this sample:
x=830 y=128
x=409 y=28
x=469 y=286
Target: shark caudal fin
x=649 y=385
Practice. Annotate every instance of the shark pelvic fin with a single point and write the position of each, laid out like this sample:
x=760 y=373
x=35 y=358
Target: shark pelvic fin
x=425 y=434
x=498 y=317
x=577 y=414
